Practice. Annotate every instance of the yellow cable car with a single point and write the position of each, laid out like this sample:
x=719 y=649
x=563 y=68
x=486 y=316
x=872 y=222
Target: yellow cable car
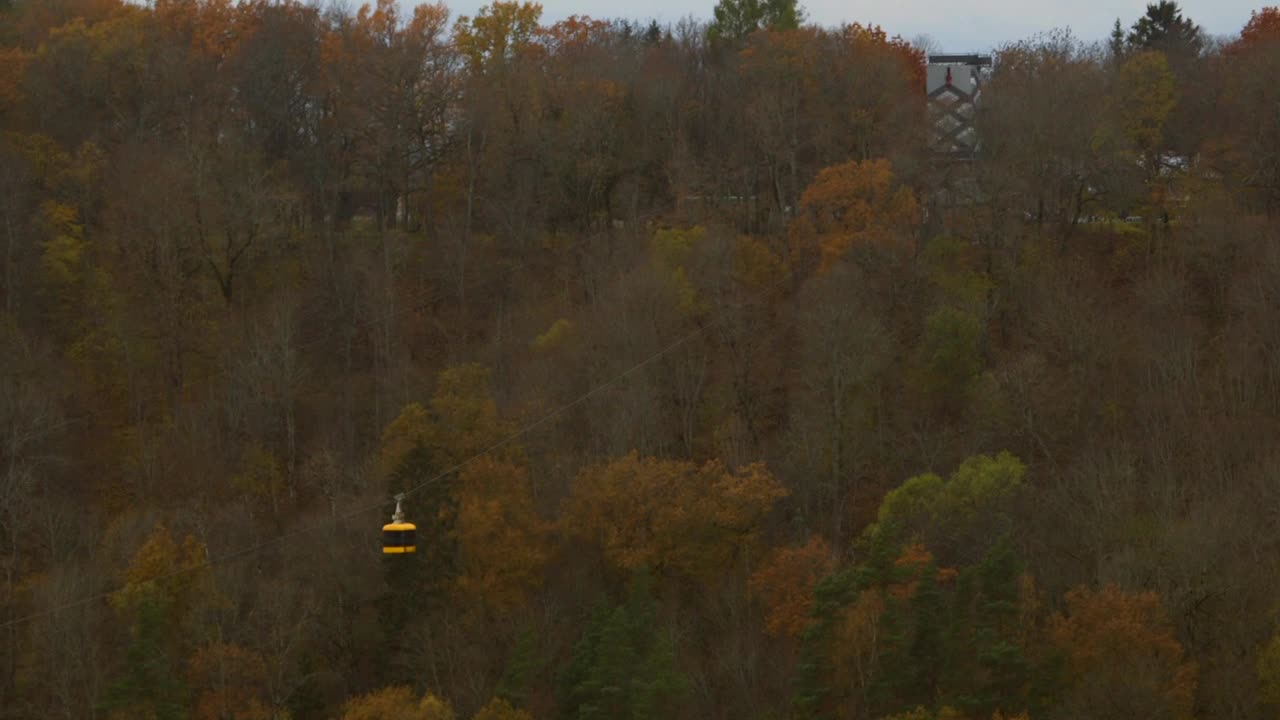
x=398 y=536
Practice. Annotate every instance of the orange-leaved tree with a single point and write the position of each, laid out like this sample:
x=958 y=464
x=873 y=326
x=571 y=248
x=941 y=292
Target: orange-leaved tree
x=858 y=204
x=1122 y=658
x=785 y=581
x=1263 y=27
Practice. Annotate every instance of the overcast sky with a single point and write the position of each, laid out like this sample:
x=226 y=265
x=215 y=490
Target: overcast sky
x=975 y=25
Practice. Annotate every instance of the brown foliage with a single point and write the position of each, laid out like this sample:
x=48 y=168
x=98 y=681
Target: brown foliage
x=503 y=541
x=230 y=683
x=665 y=514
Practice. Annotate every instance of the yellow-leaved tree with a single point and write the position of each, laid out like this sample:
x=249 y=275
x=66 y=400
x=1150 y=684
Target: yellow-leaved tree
x=397 y=703
x=498 y=33
x=461 y=423
x=163 y=570
x=161 y=585
x=410 y=429
x=467 y=422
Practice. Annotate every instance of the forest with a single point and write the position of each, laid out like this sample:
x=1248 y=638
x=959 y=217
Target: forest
x=712 y=390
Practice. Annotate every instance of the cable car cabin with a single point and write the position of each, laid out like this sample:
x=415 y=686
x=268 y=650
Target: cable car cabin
x=399 y=537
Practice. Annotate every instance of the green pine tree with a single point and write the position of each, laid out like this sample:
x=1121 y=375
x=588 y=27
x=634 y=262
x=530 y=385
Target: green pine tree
x=149 y=685
x=623 y=666
x=513 y=686
x=1117 y=43
x=734 y=20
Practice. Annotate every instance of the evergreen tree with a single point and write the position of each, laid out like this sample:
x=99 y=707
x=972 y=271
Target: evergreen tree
x=734 y=20
x=653 y=34
x=149 y=686
x=514 y=684
x=1116 y=42
x=998 y=669
x=623 y=666
x=831 y=596
x=576 y=676
x=1164 y=28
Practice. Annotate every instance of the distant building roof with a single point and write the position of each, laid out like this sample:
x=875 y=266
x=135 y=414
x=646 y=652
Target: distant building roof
x=981 y=60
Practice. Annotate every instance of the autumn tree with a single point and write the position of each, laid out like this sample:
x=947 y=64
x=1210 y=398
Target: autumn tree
x=501 y=539
x=1108 y=629
x=161 y=587
x=228 y=682
x=397 y=703
x=887 y=634
x=670 y=515
x=1146 y=97
x=499 y=709
x=1263 y=26
x=785 y=583
x=1245 y=147
x=856 y=208
x=497 y=34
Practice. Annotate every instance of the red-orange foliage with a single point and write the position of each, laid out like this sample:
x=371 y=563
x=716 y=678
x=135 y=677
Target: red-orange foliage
x=914 y=560
x=1263 y=26
x=785 y=584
